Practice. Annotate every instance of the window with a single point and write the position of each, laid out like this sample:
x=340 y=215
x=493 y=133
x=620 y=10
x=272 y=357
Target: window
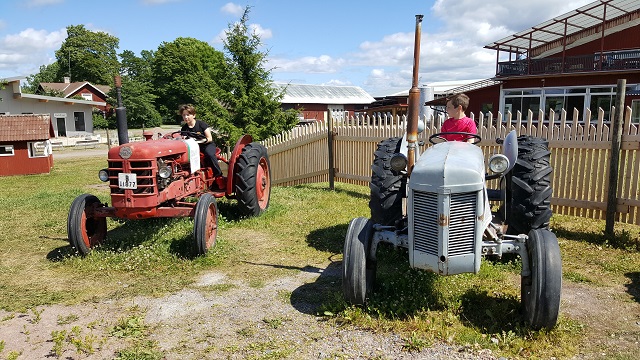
x=37 y=149
x=635 y=111
x=79 y=119
x=6 y=150
x=601 y=101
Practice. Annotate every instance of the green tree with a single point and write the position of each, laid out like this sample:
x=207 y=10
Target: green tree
x=88 y=56
x=187 y=70
x=137 y=90
x=254 y=102
x=46 y=74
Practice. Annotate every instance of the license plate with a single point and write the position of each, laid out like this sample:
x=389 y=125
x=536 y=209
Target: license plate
x=127 y=181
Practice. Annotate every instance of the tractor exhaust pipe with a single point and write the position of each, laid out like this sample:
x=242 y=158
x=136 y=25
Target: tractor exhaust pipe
x=414 y=101
x=121 y=115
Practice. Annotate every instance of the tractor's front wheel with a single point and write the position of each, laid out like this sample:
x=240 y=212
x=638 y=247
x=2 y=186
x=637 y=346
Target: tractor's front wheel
x=358 y=270
x=205 y=223
x=252 y=179
x=540 y=291
x=85 y=230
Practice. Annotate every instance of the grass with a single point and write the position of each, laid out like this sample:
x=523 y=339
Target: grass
x=303 y=230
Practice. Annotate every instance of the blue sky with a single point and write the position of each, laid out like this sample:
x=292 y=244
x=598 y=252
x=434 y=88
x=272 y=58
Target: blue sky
x=363 y=43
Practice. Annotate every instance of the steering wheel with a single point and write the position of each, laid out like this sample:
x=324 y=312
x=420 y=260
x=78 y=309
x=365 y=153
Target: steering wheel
x=439 y=136
x=189 y=134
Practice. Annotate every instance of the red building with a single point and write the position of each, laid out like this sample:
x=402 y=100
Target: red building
x=571 y=61
x=24 y=144
x=83 y=89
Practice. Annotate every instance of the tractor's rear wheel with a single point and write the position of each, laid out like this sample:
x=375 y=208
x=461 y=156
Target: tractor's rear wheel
x=531 y=190
x=252 y=179
x=85 y=231
x=205 y=223
x=358 y=270
x=540 y=291
x=387 y=186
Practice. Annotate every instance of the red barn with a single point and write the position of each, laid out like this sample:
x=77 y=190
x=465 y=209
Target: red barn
x=24 y=144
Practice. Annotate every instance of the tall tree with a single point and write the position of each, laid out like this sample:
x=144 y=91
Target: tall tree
x=254 y=101
x=47 y=73
x=187 y=70
x=137 y=90
x=88 y=56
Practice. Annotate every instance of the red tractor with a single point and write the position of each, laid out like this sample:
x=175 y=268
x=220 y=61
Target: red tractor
x=163 y=178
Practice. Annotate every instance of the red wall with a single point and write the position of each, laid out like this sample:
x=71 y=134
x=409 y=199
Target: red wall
x=21 y=164
x=623 y=40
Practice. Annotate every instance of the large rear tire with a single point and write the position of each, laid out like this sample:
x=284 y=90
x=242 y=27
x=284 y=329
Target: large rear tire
x=387 y=186
x=531 y=190
x=540 y=291
x=84 y=230
x=205 y=223
x=358 y=271
x=252 y=181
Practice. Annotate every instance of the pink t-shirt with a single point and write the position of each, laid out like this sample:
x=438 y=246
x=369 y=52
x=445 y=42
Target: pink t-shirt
x=464 y=124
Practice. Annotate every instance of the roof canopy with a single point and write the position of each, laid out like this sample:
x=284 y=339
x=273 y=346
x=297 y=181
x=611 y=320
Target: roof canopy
x=324 y=94
x=588 y=16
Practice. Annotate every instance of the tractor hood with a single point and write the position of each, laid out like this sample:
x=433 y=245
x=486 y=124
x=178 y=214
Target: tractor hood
x=456 y=166
x=151 y=149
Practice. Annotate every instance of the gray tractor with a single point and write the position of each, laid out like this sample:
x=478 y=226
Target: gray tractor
x=440 y=209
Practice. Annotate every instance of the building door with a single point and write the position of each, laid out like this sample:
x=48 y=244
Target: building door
x=62 y=128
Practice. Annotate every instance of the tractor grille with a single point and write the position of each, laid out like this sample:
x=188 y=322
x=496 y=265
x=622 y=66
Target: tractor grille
x=144 y=171
x=425 y=228
x=462 y=222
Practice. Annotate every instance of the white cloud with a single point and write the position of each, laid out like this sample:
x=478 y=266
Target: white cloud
x=38 y=3
x=253 y=29
x=232 y=9
x=335 y=82
x=25 y=52
x=323 y=64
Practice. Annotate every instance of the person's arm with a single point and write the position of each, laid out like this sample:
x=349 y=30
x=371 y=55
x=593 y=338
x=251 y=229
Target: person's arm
x=207 y=133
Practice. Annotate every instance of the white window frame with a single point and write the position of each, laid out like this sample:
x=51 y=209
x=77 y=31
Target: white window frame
x=36 y=151
x=8 y=148
x=635 y=111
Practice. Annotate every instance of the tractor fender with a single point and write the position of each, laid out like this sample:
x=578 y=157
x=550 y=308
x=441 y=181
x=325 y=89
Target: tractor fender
x=237 y=150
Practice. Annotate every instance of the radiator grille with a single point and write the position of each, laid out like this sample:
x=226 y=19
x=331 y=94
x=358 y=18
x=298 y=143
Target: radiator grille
x=144 y=174
x=462 y=222
x=425 y=222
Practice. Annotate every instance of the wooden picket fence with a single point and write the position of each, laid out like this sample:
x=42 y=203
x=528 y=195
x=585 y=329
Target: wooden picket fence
x=580 y=155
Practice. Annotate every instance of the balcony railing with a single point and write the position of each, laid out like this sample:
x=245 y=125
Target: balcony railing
x=617 y=60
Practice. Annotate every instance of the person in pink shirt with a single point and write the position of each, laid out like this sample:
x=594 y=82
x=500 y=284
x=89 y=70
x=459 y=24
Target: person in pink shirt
x=458 y=120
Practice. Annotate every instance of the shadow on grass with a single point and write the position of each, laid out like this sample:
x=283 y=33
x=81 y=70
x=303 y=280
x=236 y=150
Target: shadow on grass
x=330 y=239
x=621 y=240
x=351 y=193
x=633 y=288
x=310 y=298
x=131 y=234
x=490 y=313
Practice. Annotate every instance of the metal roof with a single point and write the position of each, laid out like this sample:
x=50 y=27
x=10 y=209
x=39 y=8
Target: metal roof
x=324 y=94
x=573 y=22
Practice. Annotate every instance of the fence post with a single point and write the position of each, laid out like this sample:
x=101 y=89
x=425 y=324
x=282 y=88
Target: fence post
x=616 y=137
x=332 y=170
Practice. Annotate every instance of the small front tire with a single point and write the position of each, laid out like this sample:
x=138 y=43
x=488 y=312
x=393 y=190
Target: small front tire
x=205 y=223
x=540 y=291
x=358 y=271
x=85 y=231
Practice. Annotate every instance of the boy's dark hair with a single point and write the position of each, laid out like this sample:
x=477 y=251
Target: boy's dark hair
x=190 y=109
x=459 y=99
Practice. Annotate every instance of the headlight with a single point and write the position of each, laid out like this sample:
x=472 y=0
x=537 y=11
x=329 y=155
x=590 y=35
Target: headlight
x=398 y=162
x=164 y=171
x=498 y=163
x=103 y=175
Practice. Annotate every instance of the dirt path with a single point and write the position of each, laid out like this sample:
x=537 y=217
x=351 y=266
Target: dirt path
x=219 y=318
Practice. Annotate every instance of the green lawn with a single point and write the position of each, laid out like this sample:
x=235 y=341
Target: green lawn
x=304 y=226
